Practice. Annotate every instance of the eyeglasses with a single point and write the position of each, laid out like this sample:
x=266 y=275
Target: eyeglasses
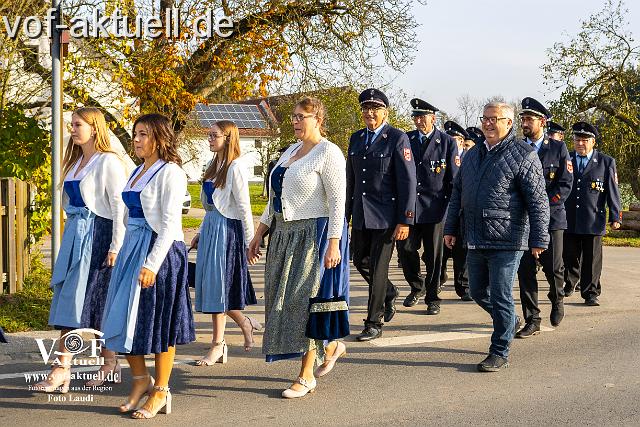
x=371 y=109
x=493 y=120
x=215 y=136
x=300 y=117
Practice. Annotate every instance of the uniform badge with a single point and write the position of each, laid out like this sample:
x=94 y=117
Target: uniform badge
x=458 y=161
x=569 y=166
x=552 y=175
x=438 y=169
x=556 y=198
x=409 y=214
x=407 y=154
x=593 y=185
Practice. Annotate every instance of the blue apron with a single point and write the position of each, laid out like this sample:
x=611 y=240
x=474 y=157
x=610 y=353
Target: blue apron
x=70 y=273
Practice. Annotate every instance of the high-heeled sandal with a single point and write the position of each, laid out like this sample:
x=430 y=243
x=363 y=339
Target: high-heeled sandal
x=133 y=405
x=254 y=326
x=217 y=353
x=114 y=375
x=55 y=381
x=145 y=414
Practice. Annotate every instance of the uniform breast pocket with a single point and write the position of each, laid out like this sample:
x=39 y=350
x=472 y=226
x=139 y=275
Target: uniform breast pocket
x=384 y=161
x=496 y=224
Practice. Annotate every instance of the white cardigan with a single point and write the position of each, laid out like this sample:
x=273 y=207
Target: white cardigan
x=101 y=190
x=233 y=200
x=313 y=187
x=161 y=202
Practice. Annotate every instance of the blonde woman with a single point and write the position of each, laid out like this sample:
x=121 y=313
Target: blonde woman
x=94 y=177
x=307 y=266
x=148 y=309
x=223 y=283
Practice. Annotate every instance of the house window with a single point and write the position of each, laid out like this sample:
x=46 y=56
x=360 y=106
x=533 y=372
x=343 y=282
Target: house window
x=258 y=170
x=258 y=143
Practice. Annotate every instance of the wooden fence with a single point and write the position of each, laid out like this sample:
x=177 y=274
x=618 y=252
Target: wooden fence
x=14 y=234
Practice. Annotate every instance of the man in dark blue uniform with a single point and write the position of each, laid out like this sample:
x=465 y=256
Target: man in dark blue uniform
x=555 y=131
x=381 y=199
x=595 y=187
x=458 y=252
x=558 y=176
x=435 y=155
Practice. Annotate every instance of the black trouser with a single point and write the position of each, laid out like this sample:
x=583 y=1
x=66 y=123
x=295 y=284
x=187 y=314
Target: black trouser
x=430 y=236
x=553 y=268
x=459 y=256
x=583 y=262
x=372 y=251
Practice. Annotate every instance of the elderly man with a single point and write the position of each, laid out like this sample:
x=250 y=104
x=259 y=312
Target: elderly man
x=381 y=199
x=501 y=193
x=558 y=176
x=436 y=158
x=595 y=187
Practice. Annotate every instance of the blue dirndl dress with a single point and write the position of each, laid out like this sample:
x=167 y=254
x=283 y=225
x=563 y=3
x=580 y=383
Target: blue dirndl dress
x=147 y=321
x=80 y=278
x=223 y=282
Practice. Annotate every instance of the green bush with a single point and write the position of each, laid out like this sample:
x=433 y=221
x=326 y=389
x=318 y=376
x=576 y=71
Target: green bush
x=28 y=309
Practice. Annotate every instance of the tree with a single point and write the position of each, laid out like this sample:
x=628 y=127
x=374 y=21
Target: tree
x=471 y=109
x=599 y=76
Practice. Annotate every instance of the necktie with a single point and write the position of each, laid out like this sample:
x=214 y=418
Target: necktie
x=368 y=139
x=582 y=163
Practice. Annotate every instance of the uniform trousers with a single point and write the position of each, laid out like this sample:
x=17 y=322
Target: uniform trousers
x=460 y=276
x=553 y=268
x=583 y=263
x=430 y=236
x=372 y=251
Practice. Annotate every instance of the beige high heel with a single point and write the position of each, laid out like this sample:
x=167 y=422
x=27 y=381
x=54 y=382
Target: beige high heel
x=330 y=362
x=308 y=387
x=254 y=326
x=134 y=404
x=217 y=353
x=55 y=381
x=113 y=376
x=145 y=414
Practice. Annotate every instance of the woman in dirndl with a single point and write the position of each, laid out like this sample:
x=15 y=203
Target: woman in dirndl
x=94 y=177
x=307 y=265
x=148 y=309
x=223 y=283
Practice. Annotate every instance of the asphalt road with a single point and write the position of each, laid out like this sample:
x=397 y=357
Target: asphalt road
x=422 y=372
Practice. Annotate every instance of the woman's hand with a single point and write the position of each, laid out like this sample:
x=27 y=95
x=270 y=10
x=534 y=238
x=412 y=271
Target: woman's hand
x=253 y=251
x=147 y=278
x=332 y=257
x=110 y=261
x=194 y=241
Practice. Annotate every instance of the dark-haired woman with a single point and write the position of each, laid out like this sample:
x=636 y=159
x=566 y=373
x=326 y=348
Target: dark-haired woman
x=148 y=308
x=223 y=284
x=94 y=177
x=307 y=267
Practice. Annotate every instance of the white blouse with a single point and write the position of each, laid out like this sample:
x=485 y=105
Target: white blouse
x=313 y=186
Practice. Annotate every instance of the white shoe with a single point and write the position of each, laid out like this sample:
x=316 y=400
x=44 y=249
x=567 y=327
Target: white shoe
x=329 y=362
x=308 y=388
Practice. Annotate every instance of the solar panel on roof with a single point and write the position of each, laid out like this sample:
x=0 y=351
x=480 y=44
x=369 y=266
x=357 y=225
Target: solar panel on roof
x=244 y=116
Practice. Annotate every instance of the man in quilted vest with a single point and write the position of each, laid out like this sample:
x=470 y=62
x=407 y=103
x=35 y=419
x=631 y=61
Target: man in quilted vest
x=500 y=190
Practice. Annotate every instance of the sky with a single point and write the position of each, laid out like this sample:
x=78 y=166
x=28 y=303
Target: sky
x=491 y=47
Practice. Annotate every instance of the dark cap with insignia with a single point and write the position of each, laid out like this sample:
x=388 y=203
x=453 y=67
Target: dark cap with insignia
x=454 y=129
x=585 y=129
x=373 y=96
x=420 y=108
x=475 y=134
x=532 y=107
x=554 y=127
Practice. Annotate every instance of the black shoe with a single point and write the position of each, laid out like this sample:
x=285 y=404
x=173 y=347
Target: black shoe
x=433 y=308
x=493 y=363
x=518 y=324
x=389 y=310
x=443 y=279
x=557 y=313
x=466 y=297
x=592 y=301
x=369 y=333
x=413 y=298
x=529 y=330
x=568 y=290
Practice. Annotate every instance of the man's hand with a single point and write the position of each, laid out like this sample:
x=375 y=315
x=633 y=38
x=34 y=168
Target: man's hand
x=615 y=225
x=449 y=241
x=536 y=252
x=147 y=278
x=401 y=232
